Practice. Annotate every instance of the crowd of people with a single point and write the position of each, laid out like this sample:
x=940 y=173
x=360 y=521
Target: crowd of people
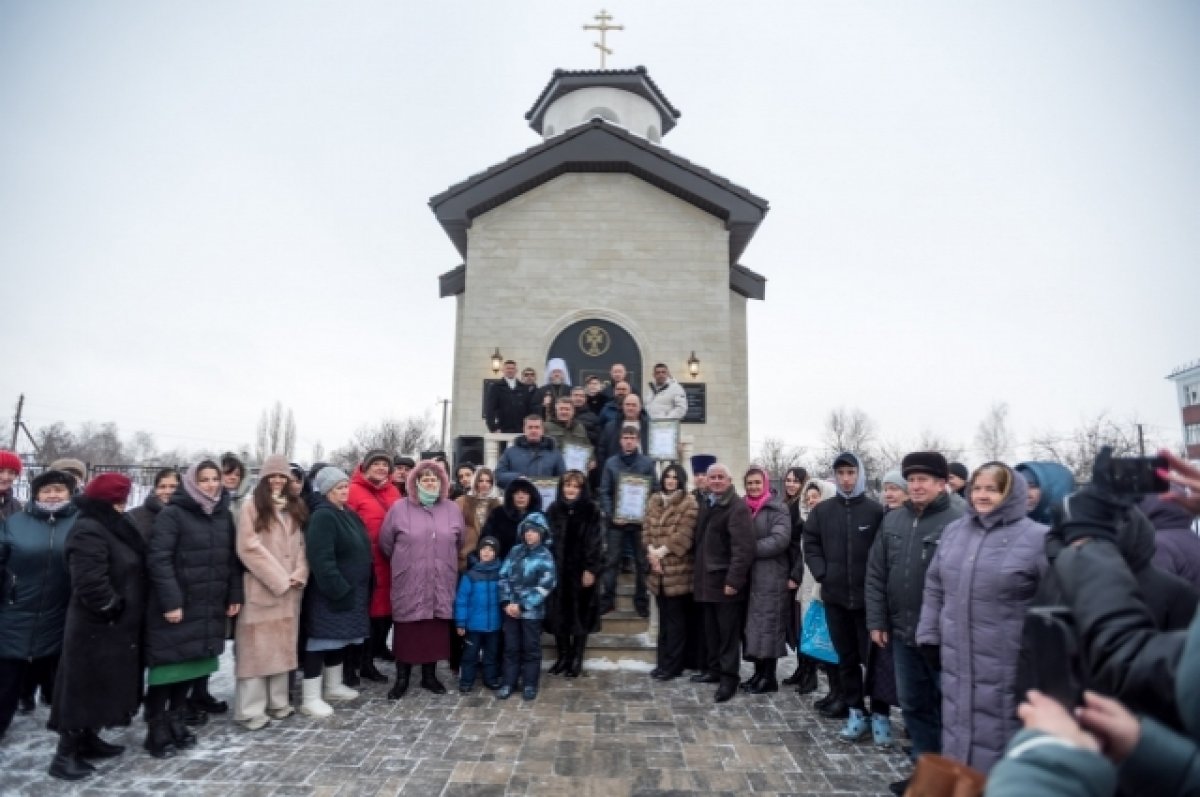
x=316 y=574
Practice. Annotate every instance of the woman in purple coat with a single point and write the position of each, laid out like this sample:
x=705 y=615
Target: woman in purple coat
x=420 y=537
x=978 y=586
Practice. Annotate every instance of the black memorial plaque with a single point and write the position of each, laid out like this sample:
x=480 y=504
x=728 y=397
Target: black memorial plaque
x=697 y=402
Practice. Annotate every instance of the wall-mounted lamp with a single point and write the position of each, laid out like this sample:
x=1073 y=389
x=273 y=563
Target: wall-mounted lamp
x=693 y=365
x=497 y=360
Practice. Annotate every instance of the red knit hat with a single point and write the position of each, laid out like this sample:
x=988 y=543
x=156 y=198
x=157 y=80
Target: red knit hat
x=10 y=461
x=111 y=488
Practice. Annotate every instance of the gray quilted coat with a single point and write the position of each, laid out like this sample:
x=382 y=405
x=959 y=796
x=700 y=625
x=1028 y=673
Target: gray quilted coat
x=769 y=609
x=978 y=586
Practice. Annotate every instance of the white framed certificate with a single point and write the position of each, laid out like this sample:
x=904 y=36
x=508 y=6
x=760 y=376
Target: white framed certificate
x=547 y=487
x=664 y=439
x=633 y=495
x=576 y=456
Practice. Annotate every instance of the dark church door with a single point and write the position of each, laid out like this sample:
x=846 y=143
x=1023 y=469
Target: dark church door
x=592 y=346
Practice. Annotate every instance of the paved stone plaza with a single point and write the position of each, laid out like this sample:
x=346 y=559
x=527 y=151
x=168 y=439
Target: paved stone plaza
x=608 y=733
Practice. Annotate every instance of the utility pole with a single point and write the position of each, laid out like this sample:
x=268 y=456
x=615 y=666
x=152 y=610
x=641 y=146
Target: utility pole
x=12 y=446
x=445 y=405
x=1141 y=441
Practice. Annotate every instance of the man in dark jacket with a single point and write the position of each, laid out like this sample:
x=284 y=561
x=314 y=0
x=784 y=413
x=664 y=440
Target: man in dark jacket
x=507 y=402
x=837 y=542
x=629 y=461
x=584 y=414
x=907 y=540
x=724 y=546
x=532 y=455
x=631 y=414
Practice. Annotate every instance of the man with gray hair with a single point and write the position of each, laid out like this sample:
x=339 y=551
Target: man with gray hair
x=724 y=548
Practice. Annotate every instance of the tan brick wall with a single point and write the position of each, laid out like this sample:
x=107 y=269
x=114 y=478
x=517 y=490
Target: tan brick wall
x=615 y=247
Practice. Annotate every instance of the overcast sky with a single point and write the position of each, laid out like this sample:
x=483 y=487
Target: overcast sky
x=208 y=206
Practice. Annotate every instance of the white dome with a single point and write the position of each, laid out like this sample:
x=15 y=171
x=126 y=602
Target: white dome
x=623 y=108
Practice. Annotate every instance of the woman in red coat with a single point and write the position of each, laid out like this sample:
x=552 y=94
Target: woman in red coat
x=371 y=496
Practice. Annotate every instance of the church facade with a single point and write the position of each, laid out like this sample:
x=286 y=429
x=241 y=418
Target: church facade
x=599 y=246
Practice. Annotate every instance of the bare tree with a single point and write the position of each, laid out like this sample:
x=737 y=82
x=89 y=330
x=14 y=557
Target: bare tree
x=851 y=429
x=777 y=456
x=1078 y=448
x=54 y=442
x=408 y=437
x=932 y=441
x=142 y=449
x=318 y=452
x=993 y=438
x=276 y=433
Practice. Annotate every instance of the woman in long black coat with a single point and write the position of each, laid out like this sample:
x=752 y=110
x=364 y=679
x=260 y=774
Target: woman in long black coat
x=195 y=585
x=99 y=681
x=577 y=542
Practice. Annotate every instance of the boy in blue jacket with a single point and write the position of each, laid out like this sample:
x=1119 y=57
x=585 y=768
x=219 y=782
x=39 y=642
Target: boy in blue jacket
x=527 y=577
x=477 y=616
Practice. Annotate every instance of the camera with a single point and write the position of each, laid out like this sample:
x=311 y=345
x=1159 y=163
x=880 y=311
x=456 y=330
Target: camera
x=1134 y=475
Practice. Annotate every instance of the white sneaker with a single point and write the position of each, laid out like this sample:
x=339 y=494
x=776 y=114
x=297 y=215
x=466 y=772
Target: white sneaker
x=311 y=703
x=334 y=688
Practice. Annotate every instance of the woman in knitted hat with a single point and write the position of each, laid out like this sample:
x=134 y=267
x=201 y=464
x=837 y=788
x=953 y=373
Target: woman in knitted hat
x=421 y=537
x=270 y=543
x=10 y=468
x=195 y=586
x=338 y=593
x=99 y=682
x=895 y=489
x=32 y=545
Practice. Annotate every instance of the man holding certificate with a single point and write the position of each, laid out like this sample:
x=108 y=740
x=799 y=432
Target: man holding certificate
x=624 y=493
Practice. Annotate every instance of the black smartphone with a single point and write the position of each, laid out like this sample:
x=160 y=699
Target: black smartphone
x=1137 y=475
x=1054 y=666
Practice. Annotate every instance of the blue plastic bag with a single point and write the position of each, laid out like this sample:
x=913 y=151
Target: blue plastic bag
x=814 y=635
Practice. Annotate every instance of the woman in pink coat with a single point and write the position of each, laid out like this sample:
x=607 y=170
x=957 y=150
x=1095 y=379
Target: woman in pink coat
x=420 y=538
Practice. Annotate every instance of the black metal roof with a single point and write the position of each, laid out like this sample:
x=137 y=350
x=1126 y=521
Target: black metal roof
x=599 y=146
x=636 y=81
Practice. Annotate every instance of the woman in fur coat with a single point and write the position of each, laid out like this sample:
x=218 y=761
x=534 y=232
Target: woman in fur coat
x=577 y=543
x=668 y=536
x=270 y=543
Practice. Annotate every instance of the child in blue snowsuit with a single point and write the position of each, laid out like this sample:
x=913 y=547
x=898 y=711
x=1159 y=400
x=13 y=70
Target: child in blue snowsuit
x=527 y=577
x=477 y=616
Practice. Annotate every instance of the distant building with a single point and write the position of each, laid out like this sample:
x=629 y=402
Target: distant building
x=1187 y=380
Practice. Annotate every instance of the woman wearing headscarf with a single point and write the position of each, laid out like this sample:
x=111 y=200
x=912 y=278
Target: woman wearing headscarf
x=669 y=534
x=166 y=482
x=99 y=681
x=475 y=506
x=195 y=586
x=520 y=499
x=577 y=537
x=35 y=590
x=421 y=537
x=982 y=579
x=270 y=543
x=338 y=591
x=804 y=678
x=555 y=385
x=769 y=608
x=831 y=705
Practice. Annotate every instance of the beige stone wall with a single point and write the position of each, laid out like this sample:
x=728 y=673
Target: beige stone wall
x=607 y=246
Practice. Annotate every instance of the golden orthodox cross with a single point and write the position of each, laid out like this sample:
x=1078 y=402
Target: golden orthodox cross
x=603 y=18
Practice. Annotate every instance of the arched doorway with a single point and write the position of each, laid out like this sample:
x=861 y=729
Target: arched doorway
x=592 y=345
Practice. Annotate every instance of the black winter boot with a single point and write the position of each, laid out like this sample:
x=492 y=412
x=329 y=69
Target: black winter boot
x=429 y=679
x=767 y=681
x=180 y=732
x=370 y=672
x=562 y=643
x=92 y=746
x=67 y=764
x=831 y=677
x=403 y=671
x=807 y=675
x=354 y=654
x=577 y=649
x=160 y=742
x=753 y=679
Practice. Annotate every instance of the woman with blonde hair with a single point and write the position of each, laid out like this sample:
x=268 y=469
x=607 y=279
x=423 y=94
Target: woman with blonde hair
x=476 y=505
x=270 y=543
x=981 y=580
